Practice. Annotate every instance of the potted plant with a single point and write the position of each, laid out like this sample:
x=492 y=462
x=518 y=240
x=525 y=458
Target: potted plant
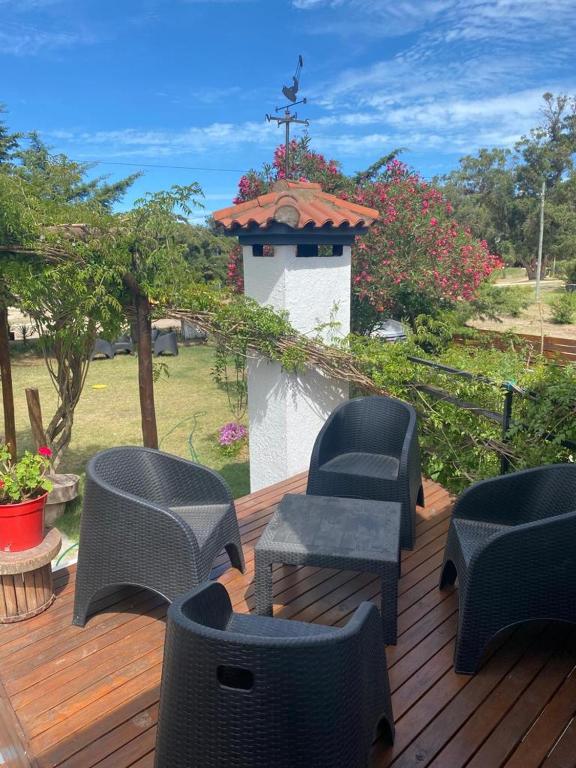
x=23 y=491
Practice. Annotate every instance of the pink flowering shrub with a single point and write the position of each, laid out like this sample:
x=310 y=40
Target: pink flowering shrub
x=416 y=259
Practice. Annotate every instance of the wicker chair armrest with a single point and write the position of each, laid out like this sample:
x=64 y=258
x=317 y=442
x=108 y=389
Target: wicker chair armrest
x=363 y=616
x=532 y=550
x=520 y=497
x=206 y=606
x=410 y=453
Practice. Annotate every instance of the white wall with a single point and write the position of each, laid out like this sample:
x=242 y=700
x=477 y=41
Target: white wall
x=286 y=411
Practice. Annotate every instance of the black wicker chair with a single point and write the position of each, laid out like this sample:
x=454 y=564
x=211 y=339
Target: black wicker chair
x=512 y=545
x=151 y=520
x=166 y=344
x=368 y=449
x=254 y=692
x=124 y=344
x=103 y=348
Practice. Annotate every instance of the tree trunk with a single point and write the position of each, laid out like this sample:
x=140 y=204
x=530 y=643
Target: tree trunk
x=35 y=416
x=6 y=377
x=145 y=371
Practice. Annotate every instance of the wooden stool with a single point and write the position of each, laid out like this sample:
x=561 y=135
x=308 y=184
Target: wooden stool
x=26 y=580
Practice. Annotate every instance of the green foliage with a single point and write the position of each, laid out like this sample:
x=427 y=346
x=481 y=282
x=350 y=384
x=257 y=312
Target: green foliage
x=546 y=416
x=24 y=479
x=8 y=141
x=460 y=446
x=493 y=302
x=570 y=271
x=229 y=372
x=144 y=243
x=206 y=252
x=564 y=309
x=60 y=182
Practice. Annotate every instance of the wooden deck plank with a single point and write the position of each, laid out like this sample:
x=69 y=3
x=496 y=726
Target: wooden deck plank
x=13 y=753
x=98 y=700
x=548 y=728
x=486 y=717
x=563 y=754
x=507 y=735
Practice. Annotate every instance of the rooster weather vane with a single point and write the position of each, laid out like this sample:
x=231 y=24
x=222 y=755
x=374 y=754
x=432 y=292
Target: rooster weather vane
x=290 y=92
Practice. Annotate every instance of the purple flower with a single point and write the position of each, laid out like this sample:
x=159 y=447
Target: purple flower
x=231 y=433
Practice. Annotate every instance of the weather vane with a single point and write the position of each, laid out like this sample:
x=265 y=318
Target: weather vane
x=290 y=91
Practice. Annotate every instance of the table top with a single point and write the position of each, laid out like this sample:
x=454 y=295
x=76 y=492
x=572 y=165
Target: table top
x=30 y=559
x=329 y=525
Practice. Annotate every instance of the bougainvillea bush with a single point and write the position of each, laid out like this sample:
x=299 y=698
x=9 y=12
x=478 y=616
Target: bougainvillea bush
x=416 y=259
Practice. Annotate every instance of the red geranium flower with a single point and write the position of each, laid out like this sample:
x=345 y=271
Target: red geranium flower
x=45 y=451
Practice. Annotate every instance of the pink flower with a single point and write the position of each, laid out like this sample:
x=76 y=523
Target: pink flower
x=45 y=451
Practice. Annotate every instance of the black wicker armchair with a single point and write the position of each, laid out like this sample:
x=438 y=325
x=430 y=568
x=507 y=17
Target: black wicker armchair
x=165 y=344
x=512 y=545
x=254 y=692
x=102 y=348
x=151 y=520
x=368 y=449
x=124 y=344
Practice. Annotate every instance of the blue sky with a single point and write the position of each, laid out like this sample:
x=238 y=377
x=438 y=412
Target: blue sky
x=187 y=82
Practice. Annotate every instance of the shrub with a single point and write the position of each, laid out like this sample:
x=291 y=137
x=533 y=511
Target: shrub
x=458 y=445
x=493 y=303
x=570 y=272
x=564 y=309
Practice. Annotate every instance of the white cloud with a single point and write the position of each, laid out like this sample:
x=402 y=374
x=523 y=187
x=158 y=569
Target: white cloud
x=472 y=74
x=22 y=6
x=138 y=143
x=461 y=19
x=24 y=40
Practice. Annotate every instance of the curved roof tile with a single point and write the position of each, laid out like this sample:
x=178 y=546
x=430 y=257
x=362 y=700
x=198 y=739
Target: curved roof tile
x=299 y=204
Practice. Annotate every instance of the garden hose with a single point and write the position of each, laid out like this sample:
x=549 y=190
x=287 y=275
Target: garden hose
x=65 y=553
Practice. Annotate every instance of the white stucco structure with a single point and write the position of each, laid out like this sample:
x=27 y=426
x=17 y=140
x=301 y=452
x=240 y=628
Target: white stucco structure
x=286 y=411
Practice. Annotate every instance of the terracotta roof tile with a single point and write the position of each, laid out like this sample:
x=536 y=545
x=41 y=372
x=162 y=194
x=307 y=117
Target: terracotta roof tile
x=299 y=204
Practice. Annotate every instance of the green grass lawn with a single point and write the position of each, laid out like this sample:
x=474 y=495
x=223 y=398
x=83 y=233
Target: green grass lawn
x=108 y=414
x=547 y=293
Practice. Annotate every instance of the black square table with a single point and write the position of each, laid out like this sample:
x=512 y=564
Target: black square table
x=332 y=532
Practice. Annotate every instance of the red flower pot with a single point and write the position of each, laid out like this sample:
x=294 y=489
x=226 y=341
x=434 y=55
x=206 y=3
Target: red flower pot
x=22 y=524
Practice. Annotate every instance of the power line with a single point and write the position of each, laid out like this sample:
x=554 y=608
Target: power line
x=172 y=167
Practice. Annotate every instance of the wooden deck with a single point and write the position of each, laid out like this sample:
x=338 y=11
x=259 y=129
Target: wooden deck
x=77 y=698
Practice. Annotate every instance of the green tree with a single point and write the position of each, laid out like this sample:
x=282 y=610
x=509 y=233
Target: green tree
x=11 y=227
x=145 y=250
x=82 y=269
x=52 y=268
x=497 y=192
x=206 y=252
